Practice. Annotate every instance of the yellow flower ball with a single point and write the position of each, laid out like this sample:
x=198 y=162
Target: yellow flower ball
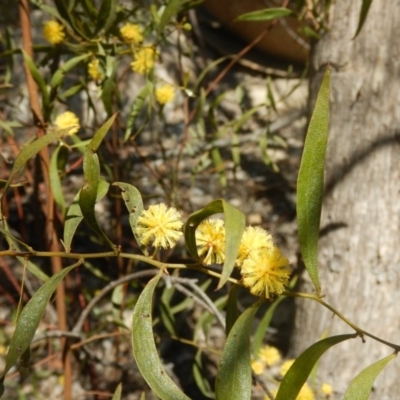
x=165 y=94
x=210 y=240
x=94 y=70
x=159 y=226
x=270 y=355
x=326 y=389
x=144 y=60
x=257 y=367
x=254 y=238
x=131 y=33
x=266 y=272
x=53 y=32
x=66 y=120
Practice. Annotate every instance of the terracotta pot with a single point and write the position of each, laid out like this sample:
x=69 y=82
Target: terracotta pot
x=277 y=42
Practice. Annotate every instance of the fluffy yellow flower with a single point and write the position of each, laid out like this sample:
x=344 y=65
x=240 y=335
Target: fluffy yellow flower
x=266 y=272
x=165 y=94
x=269 y=355
x=286 y=365
x=53 y=32
x=257 y=367
x=326 y=389
x=144 y=60
x=68 y=120
x=210 y=240
x=160 y=226
x=131 y=33
x=94 y=70
x=254 y=238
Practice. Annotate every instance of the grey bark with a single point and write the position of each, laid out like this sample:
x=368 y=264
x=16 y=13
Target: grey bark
x=359 y=259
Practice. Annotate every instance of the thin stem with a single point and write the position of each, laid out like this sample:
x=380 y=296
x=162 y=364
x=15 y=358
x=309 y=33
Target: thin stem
x=360 y=332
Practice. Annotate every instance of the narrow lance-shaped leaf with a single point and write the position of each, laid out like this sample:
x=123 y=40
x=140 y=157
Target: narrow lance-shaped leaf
x=37 y=76
x=365 y=6
x=360 y=387
x=173 y=8
x=31 y=150
x=136 y=108
x=264 y=324
x=310 y=182
x=101 y=133
x=14 y=245
x=232 y=312
x=298 y=373
x=30 y=317
x=58 y=76
x=144 y=348
x=117 y=393
x=234 y=372
x=107 y=15
x=234 y=226
x=55 y=181
x=88 y=194
x=266 y=14
x=74 y=215
x=134 y=204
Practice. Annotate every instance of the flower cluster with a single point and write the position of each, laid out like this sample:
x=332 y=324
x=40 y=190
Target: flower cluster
x=67 y=120
x=144 y=60
x=94 y=70
x=159 y=226
x=267 y=357
x=165 y=94
x=53 y=32
x=264 y=269
x=131 y=33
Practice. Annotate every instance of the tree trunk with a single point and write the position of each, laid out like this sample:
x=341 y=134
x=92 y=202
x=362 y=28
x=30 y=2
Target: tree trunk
x=359 y=254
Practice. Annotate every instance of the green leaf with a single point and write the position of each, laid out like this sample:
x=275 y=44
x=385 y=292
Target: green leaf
x=136 y=107
x=58 y=76
x=232 y=312
x=200 y=376
x=107 y=91
x=264 y=324
x=37 y=76
x=219 y=165
x=172 y=8
x=310 y=182
x=106 y=16
x=88 y=193
x=74 y=215
x=234 y=371
x=134 y=204
x=363 y=15
x=30 y=317
x=72 y=220
x=31 y=150
x=9 y=125
x=144 y=348
x=266 y=14
x=298 y=373
x=101 y=133
x=55 y=181
x=360 y=387
x=117 y=393
x=234 y=226
x=67 y=17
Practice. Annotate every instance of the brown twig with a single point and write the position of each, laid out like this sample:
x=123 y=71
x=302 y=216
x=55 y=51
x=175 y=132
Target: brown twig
x=48 y=204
